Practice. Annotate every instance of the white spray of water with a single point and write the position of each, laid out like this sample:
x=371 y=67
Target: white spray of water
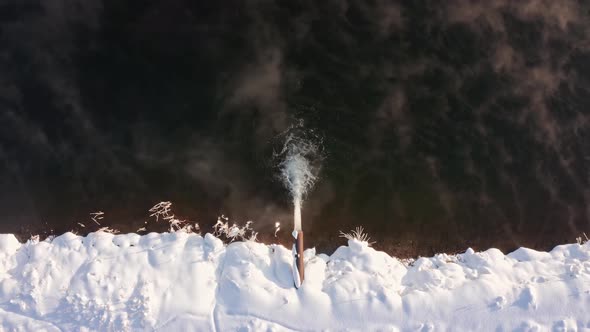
x=297 y=214
x=297 y=172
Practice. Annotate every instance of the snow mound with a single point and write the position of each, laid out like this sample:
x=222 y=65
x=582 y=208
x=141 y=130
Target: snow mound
x=186 y=282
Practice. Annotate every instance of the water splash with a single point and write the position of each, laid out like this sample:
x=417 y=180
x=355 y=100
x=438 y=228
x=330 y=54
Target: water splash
x=299 y=169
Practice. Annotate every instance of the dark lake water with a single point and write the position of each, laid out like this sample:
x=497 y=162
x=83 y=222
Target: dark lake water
x=443 y=125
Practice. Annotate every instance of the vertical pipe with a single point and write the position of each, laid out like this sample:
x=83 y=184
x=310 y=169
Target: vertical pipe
x=299 y=249
x=298 y=239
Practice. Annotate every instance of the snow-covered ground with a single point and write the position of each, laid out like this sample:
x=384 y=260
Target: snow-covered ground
x=186 y=282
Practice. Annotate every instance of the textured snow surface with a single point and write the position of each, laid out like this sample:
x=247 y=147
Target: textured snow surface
x=186 y=282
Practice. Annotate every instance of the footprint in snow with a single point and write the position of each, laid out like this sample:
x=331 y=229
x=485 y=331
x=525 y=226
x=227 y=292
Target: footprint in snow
x=498 y=303
x=527 y=299
x=426 y=327
x=565 y=325
x=528 y=327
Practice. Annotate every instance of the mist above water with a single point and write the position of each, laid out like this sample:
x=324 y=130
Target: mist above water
x=449 y=124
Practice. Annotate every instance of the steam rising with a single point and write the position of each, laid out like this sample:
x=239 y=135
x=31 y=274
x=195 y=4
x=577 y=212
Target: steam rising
x=299 y=170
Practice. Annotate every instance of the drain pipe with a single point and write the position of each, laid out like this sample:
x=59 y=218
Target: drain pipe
x=298 y=264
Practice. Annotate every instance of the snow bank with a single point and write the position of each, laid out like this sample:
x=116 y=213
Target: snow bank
x=185 y=282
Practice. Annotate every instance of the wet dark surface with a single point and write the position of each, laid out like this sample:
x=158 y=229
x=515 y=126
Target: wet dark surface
x=445 y=125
